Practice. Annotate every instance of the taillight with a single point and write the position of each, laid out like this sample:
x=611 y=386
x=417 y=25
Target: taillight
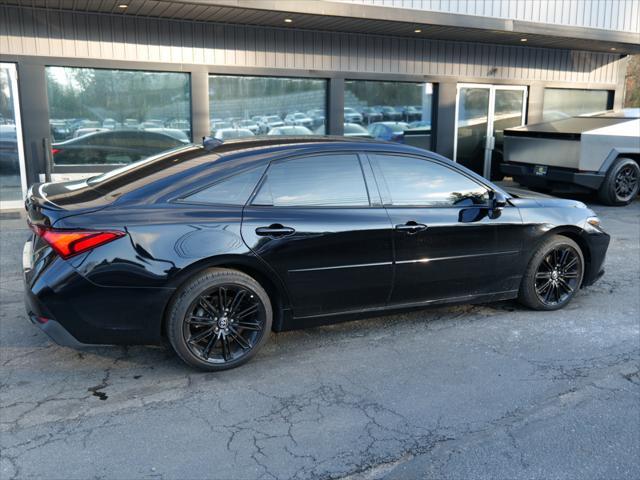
x=68 y=243
x=54 y=151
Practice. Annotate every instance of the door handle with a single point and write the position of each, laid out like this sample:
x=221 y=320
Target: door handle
x=275 y=230
x=411 y=227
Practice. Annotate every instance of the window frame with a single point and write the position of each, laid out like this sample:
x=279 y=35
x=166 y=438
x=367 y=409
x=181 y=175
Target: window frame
x=371 y=187
x=379 y=178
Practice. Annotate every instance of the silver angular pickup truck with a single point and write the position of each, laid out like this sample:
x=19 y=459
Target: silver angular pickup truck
x=599 y=153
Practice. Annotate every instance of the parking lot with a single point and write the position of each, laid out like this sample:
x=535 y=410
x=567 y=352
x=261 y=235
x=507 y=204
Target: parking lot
x=485 y=391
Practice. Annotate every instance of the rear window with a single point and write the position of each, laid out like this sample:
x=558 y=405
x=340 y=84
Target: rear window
x=128 y=178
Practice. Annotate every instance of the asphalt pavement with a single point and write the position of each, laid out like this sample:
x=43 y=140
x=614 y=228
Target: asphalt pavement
x=466 y=392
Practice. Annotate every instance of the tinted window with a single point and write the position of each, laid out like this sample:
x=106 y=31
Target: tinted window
x=562 y=103
x=124 y=103
x=233 y=190
x=413 y=181
x=234 y=98
x=332 y=180
x=378 y=101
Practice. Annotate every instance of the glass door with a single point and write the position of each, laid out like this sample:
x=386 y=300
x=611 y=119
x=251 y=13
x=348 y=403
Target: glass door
x=13 y=183
x=482 y=114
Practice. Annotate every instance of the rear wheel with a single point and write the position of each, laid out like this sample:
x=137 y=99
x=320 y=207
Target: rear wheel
x=554 y=274
x=219 y=319
x=621 y=184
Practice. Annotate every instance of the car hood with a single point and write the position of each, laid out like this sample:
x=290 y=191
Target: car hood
x=526 y=198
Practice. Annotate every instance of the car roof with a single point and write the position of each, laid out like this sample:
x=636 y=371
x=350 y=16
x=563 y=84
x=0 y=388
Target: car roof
x=283 y=144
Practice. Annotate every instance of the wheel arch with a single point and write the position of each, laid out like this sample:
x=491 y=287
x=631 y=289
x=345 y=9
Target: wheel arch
x=575 y=234
x=252 y=266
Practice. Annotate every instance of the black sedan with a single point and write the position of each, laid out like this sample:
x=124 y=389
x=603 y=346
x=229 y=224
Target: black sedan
x=215 y=246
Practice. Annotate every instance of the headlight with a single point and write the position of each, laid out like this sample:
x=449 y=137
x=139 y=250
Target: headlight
x=593 y=221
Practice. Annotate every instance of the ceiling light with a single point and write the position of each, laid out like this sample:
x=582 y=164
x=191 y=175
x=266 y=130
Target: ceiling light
x=417 y=30
x=288 y=20
x=613 y=48
x=123 y=5
x=523 y=39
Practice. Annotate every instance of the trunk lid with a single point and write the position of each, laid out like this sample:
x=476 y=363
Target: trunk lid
x=46 y=203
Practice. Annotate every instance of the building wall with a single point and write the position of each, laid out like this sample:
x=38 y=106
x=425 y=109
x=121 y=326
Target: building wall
x=619 y=15
x=54 y=33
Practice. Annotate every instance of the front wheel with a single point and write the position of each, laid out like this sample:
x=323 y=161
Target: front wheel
x=554 y=274
x=219 y=319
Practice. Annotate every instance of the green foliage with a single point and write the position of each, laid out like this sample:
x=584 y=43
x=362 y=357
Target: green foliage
x=632 y=86
x=97 y=94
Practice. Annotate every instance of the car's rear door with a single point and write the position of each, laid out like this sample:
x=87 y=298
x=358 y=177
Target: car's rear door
x=448 y=244
x=314 y=220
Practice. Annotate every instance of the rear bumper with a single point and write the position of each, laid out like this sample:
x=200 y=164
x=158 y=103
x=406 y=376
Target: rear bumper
x=76 y=312
x=56 y=332
x=555 y=177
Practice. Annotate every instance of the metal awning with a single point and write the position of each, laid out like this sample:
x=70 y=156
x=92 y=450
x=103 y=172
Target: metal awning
x=358 y=18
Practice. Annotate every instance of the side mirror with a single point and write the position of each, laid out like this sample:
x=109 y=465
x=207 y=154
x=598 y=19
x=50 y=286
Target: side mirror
x=498 y=201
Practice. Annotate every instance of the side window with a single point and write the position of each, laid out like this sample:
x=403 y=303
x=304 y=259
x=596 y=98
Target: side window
x=418 y=182
x=234 y=190
x=327 y=181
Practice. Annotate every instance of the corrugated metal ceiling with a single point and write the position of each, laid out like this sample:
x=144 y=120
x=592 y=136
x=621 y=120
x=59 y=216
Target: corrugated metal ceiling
x=236 y=11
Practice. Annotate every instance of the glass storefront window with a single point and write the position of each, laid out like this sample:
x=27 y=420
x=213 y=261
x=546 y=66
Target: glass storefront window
x=248 y=106
x=562 y=103
x=396 y=111
x=10 y=144
x=112 y=117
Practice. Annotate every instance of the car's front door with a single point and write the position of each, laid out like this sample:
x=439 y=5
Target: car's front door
x=447 y=243
x=315 y=223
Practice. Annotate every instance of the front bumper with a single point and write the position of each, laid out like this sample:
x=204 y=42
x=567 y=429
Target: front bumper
x=597 y=242
x=555 y=178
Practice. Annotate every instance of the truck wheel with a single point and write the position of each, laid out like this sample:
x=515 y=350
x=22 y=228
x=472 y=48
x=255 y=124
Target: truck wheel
x=621 y=184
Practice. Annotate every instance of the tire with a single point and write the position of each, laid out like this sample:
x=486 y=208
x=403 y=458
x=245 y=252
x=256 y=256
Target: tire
x=621 y=184
x=541 y=289
x=219 y=319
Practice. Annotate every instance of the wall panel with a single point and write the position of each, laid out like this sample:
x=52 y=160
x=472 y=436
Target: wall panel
x=34 y=31
x=619 y=15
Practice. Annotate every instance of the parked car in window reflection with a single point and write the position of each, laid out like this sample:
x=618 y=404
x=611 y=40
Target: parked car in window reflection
x=274 y=121
x=299 y=119
x=172 y=132
x=112 y=147
x=390 y=131
x=317 y=115
x=351 y=116
x=229 y=133
x=86 y=131
x=370 y=115
x=290 y=130
x=349 y=129
x=389 y=113
x=249 y=125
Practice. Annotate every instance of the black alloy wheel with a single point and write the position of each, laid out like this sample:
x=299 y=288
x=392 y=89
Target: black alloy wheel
x=557 y=276
x=554 y=274
x=224 y=323
x=219 y=319
x=626 y=183
x=622 y=182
